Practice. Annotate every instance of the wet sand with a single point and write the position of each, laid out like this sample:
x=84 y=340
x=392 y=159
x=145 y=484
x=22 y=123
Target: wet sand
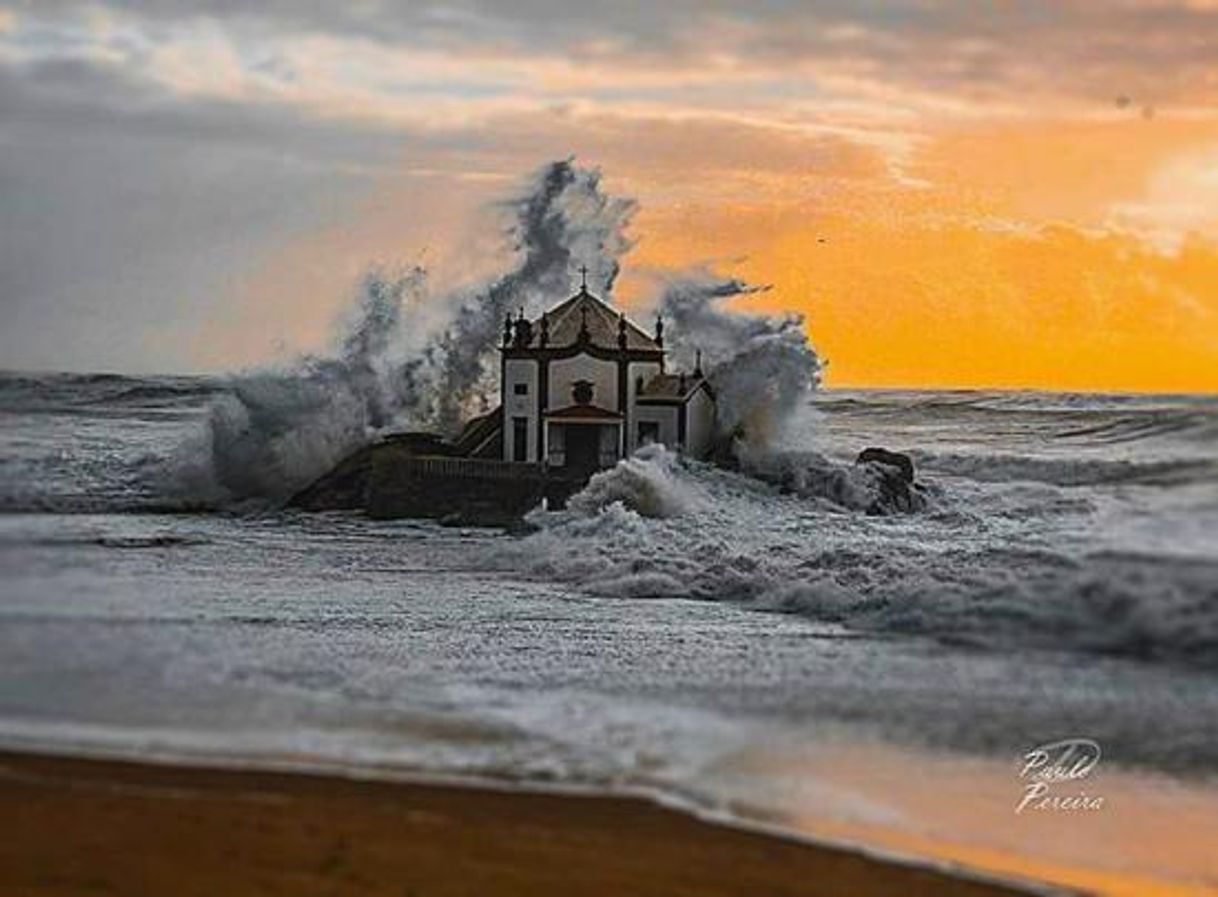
x=85 y=827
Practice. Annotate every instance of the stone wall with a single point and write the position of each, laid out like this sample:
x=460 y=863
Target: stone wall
x=466 y=490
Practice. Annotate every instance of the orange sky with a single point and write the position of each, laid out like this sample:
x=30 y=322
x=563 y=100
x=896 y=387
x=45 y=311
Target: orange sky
x=1003 y=193
x=1056 y=255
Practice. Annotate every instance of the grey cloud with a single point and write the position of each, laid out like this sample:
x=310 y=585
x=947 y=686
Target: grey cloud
x=666 y=30
x=1068 y=45
x=126 y=214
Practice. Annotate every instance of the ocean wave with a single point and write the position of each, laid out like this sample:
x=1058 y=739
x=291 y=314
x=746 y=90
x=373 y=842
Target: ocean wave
x=648 y=482
x=1071 y=471
x=1181 y=425
x=872 y=488
x=1082 y=419
x=68 y=393
x=960 y=581
x=45 y=477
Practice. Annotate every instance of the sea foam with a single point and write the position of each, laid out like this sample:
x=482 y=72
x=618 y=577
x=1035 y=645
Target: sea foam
x=659 y=526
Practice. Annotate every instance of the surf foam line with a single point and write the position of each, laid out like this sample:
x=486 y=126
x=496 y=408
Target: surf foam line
x=658 y=526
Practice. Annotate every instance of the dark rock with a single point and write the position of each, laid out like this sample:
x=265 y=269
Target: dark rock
x=899 y=460
x=894 y=471
x=345 y=488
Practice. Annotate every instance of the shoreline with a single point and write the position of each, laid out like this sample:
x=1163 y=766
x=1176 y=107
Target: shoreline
x=220 y=829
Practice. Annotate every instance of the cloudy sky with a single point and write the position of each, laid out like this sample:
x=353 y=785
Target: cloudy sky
x=954 y=193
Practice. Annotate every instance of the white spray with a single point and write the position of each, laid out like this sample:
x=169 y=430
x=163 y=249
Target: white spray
x=762 y=367
x=407 y=359
x=411 y=359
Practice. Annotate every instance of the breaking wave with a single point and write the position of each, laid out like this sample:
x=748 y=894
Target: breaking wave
x=761 y=367
x=647 y=482
x=416 y=358
x=661 y=527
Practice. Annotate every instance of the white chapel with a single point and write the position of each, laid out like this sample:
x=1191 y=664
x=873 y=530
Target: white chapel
x=582 y=386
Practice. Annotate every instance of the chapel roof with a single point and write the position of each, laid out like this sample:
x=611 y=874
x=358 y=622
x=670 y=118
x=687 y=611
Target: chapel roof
x=670 y=387
x=603 y=322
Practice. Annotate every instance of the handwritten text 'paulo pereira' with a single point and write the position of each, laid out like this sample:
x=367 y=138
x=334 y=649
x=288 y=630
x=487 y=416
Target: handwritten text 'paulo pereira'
x=1053 y=772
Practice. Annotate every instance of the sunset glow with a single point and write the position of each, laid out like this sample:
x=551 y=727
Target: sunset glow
x=992 y=194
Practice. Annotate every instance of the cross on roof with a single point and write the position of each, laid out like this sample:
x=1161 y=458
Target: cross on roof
x=583 y=277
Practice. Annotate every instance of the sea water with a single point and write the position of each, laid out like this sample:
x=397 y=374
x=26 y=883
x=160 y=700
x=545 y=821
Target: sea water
x=755 y=652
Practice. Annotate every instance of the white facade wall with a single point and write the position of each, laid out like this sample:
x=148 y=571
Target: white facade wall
x=564 y=372
x=664 y=415
x=635 y=370
x=523 y=371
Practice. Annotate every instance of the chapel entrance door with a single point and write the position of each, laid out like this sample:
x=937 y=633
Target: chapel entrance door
x=583 y=448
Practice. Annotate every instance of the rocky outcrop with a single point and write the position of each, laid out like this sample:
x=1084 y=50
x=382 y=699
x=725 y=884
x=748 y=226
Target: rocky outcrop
x=899 y=460
x=459 y=491
x=898 y=490
x=345 y=488
x=420 y=475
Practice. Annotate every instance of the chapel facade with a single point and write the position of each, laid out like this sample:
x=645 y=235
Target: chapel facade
x=583 y=386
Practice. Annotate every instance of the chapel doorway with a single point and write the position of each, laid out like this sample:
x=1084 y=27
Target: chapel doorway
x=583 y=448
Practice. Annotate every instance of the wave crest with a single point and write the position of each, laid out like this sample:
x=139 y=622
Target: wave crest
x=953 y=575
x=647 y=483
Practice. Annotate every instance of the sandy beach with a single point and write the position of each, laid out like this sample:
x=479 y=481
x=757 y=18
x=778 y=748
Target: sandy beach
x=107 y=827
